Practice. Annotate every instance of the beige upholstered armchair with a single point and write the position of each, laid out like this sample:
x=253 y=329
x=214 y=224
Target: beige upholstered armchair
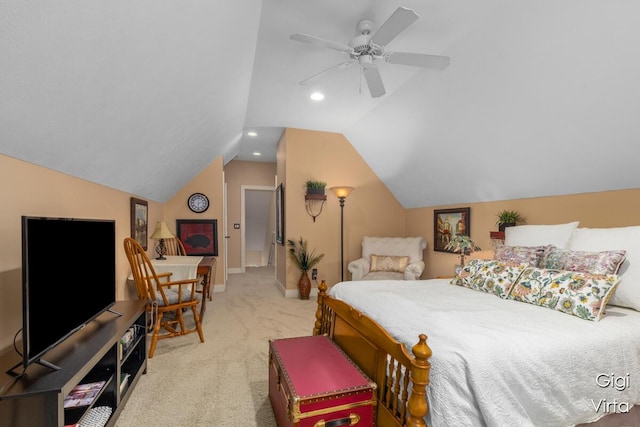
x=390 y=258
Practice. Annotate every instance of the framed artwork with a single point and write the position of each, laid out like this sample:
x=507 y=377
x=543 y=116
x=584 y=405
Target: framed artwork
x=448 y=223
x=280 y=214
x=199 y=236
x=139 y=221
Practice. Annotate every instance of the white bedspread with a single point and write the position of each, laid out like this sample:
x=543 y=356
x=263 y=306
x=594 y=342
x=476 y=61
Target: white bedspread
x=504 y=363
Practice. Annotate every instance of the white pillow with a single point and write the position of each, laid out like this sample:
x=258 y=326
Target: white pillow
x=604 y=239
x=557 y=235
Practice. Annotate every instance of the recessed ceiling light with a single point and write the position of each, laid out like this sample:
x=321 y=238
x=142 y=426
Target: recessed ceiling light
x=252 y=133
x=257 y=154
x=317 y=96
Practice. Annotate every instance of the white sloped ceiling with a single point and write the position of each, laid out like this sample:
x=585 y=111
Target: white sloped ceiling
x=540 y=97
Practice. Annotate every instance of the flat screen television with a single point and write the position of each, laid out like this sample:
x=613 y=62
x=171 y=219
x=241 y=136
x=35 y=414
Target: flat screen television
x=68 y=279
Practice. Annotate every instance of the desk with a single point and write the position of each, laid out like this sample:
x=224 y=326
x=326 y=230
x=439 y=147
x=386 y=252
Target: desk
x=181 y=267
x=207 y=268
x=189 y=267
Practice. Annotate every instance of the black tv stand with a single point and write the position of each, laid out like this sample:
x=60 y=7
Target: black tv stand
x=95 y=353
x=11 y=371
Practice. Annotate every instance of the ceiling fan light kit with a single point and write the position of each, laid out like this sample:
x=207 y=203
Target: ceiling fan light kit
x=366 y=48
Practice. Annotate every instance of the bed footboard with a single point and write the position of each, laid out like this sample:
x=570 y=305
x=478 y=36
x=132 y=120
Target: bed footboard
x=402 y=378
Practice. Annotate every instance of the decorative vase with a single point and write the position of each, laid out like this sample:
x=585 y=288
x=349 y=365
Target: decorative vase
x=304 y=285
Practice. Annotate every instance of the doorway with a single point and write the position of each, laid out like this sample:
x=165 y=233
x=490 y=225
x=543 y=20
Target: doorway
x=258 y=231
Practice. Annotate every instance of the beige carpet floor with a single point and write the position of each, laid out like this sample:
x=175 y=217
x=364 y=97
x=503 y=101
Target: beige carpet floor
x=223 y=381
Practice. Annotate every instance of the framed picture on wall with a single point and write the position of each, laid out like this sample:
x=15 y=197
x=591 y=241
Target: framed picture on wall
x=199 y=236
x=280 y=214
x=448 y=223
x=139 y=221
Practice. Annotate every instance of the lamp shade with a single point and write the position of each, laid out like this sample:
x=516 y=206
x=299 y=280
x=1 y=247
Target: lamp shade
x=162 y=231
x=462 y=245
x=341 y=192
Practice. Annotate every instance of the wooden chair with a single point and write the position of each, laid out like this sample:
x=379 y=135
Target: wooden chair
x=174 y=247
x=167 y=299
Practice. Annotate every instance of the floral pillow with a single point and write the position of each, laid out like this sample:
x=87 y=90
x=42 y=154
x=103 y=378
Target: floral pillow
x=584 y=295
x=604 y=262
x=531 y=255
x=489 y=275
x=389 y=263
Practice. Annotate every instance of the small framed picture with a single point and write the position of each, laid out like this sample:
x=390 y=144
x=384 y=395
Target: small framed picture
x=280 y=214
x=139 y=221
x=448 y=223
x=199 y=236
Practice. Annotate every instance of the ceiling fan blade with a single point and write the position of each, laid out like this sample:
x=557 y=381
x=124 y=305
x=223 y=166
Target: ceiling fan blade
x=335 y=67
x=316 y=41
x=397 y=23
x=374 y=81
x=418 y=59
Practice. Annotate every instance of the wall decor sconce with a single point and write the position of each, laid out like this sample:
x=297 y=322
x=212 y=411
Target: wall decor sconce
x=314 y=204
x=315 y=198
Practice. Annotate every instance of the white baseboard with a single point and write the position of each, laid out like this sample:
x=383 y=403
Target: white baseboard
x=219 y=288
x=293 y=293
x=234 y=270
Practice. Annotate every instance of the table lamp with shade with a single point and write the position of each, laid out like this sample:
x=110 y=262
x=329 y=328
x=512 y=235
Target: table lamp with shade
x=463 y=246
x=160 y=233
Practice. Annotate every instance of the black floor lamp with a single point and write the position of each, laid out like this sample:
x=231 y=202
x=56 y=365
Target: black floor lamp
x=341 y=193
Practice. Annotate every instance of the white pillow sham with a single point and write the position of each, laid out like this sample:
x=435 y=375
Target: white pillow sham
x=605 y=239
x=557 y=235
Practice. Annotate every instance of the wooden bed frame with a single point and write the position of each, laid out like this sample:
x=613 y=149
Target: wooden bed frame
x=401 y=377
x=386 y=361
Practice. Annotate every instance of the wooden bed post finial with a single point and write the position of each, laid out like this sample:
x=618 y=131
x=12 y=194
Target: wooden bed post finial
x=322 y=292
x=420 y=368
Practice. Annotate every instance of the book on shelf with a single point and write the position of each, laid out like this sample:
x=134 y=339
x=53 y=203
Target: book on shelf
x=124 y=382
x=126 y=341
x=83 y=394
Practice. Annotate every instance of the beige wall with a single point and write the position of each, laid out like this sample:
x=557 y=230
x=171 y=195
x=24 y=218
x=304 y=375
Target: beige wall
x=27 y=189
x=593 y=210
x=370 y=209
x=238 y=173
x=209 y=182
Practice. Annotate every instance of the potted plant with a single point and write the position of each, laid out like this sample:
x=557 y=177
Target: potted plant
x=508 y=218
x=315 y=187
x=305 y=260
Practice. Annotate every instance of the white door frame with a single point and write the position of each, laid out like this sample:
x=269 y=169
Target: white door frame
x=224 y=229
x=243 y=227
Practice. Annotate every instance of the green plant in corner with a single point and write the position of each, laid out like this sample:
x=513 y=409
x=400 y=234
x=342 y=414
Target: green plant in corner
x=299 y=253
x=509 y=217
x=305 y=260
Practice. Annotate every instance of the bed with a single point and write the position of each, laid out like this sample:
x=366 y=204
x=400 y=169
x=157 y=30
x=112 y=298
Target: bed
x=450 y=355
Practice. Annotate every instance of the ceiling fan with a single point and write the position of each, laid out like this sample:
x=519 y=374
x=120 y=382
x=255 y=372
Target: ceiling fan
x=367 y=48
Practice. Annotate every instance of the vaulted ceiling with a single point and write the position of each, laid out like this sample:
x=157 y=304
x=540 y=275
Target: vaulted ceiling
x=541 y=96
